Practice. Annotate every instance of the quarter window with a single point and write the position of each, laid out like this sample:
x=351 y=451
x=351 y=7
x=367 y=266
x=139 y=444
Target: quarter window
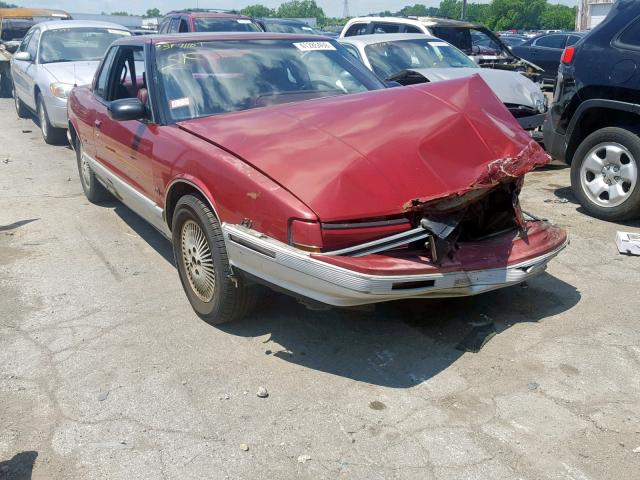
x=631 y=35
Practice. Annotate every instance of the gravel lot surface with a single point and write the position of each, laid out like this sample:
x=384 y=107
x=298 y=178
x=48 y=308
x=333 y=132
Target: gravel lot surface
x=106 y=373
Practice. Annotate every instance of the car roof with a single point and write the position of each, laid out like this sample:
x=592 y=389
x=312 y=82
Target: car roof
x=31 y=12
x=213 y=36
x=426 y=21
x=364 y=40
x=286 y=21
x=194 y=13
x=66 y=24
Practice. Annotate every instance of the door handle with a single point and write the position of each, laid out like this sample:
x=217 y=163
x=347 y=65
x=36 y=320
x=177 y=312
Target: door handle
x=98 y=124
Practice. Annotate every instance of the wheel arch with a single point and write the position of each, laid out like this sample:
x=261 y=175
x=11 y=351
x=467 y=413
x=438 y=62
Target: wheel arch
x=593 y=115
x=185 y=186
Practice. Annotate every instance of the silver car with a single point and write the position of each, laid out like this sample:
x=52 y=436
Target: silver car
x=410 y=58
x=53 y=58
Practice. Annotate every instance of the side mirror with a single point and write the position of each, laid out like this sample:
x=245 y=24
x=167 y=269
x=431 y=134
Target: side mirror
x=127 y=109
x=23 y=56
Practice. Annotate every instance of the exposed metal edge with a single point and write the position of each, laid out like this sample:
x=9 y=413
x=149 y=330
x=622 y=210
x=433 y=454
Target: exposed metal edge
x=132 y=198
x=383 y=243
x=380 y=223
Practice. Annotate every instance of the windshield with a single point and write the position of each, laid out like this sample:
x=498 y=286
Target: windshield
x=204 y=24
x=389 y=58
x=212 y=77
x=283 y=27
x=77 y=44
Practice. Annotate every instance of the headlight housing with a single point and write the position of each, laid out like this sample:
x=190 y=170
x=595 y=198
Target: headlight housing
x=61 y=90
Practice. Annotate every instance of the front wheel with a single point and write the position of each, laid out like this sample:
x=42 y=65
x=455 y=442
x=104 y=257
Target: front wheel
x=51 y=135
x=604 y=174
x=203 y=265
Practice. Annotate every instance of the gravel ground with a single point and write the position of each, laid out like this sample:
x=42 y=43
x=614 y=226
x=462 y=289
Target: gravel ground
x=106 y=373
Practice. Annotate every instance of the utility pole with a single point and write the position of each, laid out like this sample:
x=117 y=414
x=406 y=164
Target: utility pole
x=463 y=13
x=345 y=10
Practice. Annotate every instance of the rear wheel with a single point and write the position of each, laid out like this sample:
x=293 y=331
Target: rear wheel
x=203 y=265
x=605 y=174
x=93 y=189
x=51 y=135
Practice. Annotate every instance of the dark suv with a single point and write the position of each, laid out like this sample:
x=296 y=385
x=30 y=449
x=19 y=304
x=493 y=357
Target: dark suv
x=199 y=20
x=595 y=120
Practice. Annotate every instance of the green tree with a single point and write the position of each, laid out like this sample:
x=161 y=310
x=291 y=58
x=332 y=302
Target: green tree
x=558 y=17
x=258 y=11
x=120 y=14
x=521 y=14
x=300 y=9
x=450 y=8
x=152 y=13
x=416 y=10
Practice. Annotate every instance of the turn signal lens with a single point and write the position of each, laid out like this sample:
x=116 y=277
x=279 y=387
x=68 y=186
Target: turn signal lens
x=305 y=235
x=567 y=55
x=61 y=90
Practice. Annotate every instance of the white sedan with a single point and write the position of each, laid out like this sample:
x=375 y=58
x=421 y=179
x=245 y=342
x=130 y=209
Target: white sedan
x=417 y=58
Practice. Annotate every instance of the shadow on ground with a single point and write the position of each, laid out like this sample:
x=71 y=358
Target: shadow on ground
x=20 y=467
x=567 y=193
x=397 y=344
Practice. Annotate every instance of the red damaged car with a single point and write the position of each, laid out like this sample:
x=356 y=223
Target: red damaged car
x=278 y=159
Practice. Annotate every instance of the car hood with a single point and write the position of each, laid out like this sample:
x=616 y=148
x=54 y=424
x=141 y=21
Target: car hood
x=509 y=87
x=382 y=152
x=73 y=73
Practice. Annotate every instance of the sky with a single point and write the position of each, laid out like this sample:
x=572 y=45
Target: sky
x=332 y=8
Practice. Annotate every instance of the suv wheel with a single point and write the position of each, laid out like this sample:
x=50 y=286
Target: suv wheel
x=604 y=174
x=201 y=257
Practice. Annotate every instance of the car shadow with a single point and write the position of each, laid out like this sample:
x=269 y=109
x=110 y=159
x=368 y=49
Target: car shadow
x=20 y=467
x=396 y=344
x=567 y=193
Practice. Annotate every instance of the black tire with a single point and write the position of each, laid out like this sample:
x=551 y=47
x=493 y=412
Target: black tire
x=51 y=135
x=227 y=298
x=6 y=85
x=612 y=137
x=21 y=109
x=93 y=189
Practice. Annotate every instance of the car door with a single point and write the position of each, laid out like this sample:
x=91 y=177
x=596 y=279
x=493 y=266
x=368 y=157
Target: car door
x=24 y=71
x=546 y=52
x=125 y=147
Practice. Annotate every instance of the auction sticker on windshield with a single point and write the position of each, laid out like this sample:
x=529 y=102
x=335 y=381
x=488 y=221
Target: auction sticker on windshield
x=439 y=44
x=313 y=46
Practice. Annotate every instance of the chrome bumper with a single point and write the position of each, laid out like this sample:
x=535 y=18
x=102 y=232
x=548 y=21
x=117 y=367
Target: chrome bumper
x=296 y=271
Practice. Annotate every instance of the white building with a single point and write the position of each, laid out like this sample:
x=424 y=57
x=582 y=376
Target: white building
x=591 y=13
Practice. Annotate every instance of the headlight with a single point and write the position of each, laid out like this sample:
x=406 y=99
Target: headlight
x=61 y=90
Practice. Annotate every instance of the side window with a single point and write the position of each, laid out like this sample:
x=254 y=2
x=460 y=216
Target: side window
x=552 y=41
x=164 y=26
x=102 y=78
x=32 y=46
x=631 y=35
x=412 y=29
x=175 y=24
x=356 y=29
x=25 y=42
x=128 y=74
x=386 y=28
x=352 y=50
x=184 y=25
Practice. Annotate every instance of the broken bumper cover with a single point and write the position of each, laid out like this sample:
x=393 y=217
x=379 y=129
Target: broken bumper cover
x=354 y=282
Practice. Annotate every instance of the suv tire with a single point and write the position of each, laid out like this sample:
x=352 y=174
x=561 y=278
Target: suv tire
x=605 y=174
x=201 y=257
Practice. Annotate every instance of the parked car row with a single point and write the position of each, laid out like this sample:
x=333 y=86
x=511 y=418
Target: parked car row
x=343 y=173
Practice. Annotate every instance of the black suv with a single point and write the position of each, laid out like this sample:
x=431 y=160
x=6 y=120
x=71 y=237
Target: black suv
x=595 y=120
